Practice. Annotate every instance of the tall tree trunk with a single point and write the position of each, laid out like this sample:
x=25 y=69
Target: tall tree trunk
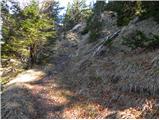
x=32 y=55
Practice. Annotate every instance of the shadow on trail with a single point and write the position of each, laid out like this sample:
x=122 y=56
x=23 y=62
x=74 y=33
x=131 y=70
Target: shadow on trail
x=18 y=102
x=53 y=97
x=115 y=101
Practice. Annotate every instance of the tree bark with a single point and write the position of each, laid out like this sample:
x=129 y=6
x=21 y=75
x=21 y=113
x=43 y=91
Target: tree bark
x=32 y=55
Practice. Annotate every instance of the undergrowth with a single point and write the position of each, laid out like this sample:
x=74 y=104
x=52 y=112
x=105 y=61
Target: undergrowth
x=142 y=41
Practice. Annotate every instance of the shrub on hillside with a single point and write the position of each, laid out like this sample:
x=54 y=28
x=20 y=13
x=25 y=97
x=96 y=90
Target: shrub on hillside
x=128 y=10
x=142 y=41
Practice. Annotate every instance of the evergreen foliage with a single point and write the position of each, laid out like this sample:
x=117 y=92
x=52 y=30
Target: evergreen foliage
x=95 y=23
x=124 y=9
x=52 y=8
x=75 y=13
x=127 y=10
x=150 y=9
x=25 y=33
x=142 y=41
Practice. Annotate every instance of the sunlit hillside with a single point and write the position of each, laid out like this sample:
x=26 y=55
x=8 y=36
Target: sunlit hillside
x=79 y=59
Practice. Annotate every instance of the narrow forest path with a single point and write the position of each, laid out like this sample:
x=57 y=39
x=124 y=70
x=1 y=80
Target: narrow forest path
x=54 y=100
x=52 y=97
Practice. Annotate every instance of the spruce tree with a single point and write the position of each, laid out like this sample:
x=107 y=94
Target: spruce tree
x=95 y=23
x=76 y=13
x=36 y=29
x=26 y=32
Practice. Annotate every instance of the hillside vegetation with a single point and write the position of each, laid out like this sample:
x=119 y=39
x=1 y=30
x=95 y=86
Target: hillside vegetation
x=98 y=62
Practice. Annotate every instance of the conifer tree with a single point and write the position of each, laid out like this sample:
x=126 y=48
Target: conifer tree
x=75 y=13
x=67 y=21
x=95 y=22
x=127 y=10
x=26 y=37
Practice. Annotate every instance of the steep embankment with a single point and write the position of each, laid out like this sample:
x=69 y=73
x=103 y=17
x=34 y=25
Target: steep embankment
x=87 y=80
x=124 y=81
